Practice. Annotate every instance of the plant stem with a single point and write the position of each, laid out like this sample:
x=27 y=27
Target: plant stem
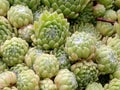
x=104 y=20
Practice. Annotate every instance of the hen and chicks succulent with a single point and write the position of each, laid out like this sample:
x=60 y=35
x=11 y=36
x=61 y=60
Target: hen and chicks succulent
x=59 y=44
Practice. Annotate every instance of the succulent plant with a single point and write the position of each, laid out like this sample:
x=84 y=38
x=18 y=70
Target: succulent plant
x=63 y=59
x=70 y=9
x=107 y=3
x=19 y=68
x=117 y=28
x=32 y=4
x=66 y=80
x=80 y=46
x=20 y=16
x=99 y=10
x=13 y=51
x=40 y=10
x=47 y=84
x=105 y=28
x=117 y=3
x=59 y=44
x=7 y=78
x=113 y=85
x=94 y=86
x=10 y=88
x=106 y=58
x=26 y=33
x=28 y=80
x=50 y=31
x=6 y=31
x=31 y=55
x=114 y=43
x=88 y=28
x=86 y=16
x=46 y=66
x=3 y=66
x=4 y=7
x=116 y=74
x=110 y=15
x=86 y=73
x=118 y=15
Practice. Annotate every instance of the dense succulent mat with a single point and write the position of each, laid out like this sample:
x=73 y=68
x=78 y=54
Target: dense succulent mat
x=59 y=44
